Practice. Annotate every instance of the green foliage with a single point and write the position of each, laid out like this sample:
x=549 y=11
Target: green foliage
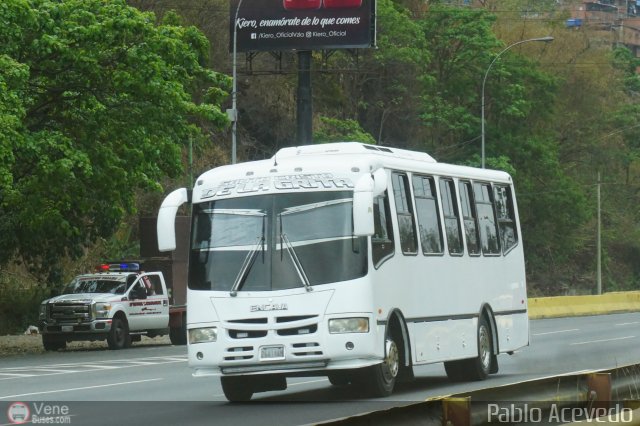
x=336 y=130
x=95 y=103
x=624 y=60
x=20 y=299
x=394 y=76
x=460 y=40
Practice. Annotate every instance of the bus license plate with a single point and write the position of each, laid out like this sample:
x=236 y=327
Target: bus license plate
x=271 y=353
x=67 y=328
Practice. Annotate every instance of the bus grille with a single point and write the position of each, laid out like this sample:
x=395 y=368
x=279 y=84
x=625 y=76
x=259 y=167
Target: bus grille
x=240 y=353
x=306 y=349
x=307 y=329
x=247 y=334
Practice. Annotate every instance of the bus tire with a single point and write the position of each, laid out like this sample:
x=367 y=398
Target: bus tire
x=380 y=379
x=455 y=370
x=482 y=365
x=339 y=378
x=236 y=389
x=118 y=337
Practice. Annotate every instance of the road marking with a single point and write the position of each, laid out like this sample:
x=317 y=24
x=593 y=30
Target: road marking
x=629 y=323
x=603 y=340
x=55 y=370
x=72 y=364
x=98 y=367
x=557 y=331
x=17 y=375
x=83 y=388
x=12 y=373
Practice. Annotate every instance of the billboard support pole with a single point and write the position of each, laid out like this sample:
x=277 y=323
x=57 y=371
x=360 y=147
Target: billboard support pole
x=304 y=103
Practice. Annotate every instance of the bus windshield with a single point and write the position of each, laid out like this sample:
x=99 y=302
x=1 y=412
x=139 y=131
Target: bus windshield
x=275 y=242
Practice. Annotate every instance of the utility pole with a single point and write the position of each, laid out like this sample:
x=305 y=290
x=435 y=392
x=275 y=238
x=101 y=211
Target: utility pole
x=599 y=245
x=304 y=112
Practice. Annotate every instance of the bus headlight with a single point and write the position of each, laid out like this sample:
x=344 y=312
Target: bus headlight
x=349 y=325
x=102 y=309
x=202 y=335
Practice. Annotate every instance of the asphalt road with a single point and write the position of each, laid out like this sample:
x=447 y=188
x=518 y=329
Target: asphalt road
x=153 y=385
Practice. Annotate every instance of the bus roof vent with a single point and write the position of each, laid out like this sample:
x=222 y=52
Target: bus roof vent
x=351 y=148
x=400 y=153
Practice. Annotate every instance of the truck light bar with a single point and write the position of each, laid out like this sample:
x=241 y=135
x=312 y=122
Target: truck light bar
x=118 y=267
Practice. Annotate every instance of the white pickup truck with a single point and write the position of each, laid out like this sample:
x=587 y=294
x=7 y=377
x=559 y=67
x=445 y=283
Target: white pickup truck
x=119 y=304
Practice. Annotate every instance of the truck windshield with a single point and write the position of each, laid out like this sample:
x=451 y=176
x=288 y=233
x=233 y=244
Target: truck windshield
x=275 y=242
x=95 y=285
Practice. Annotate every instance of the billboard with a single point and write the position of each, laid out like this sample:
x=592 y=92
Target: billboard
x=270 y=25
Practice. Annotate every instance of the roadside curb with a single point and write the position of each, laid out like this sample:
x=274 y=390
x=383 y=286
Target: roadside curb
x=571 y=306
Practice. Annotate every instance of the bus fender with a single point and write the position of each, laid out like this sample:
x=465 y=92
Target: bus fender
x=485 y=309
x=397 y=314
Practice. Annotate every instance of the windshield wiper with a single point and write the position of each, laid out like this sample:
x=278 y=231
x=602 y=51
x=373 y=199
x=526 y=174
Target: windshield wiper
x=247 y=264
x=284 y=242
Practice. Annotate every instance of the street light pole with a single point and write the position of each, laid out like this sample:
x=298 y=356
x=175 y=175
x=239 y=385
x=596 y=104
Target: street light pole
x=484 y=80
x=233 y=112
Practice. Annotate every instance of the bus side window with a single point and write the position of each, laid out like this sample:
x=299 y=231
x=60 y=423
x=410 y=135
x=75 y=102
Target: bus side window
x=506 y=217
x=486 y=218
x=451 y=215
x=426 y=200
x=404 y=211
x=470 y=218
x=382 y=241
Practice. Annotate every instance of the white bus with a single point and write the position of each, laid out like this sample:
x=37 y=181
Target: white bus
x=351 y=261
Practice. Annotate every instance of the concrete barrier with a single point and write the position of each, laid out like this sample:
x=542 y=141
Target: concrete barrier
x=568 y=306
x=558 y=399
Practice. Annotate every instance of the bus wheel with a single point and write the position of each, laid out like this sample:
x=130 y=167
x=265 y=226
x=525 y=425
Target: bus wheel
x=455 y=370
x=380 y=379
x=339 y=379
x=236 y=389
x=480 y=366
x=477 y=368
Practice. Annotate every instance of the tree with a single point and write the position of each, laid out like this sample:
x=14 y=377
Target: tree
x=96 y=101
x=460 y=41
x=379 y=88
x=336 y=130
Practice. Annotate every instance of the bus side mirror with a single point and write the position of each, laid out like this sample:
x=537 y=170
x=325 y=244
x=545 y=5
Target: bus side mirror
x=379 y=182
x=166 y=226
x=363 y=225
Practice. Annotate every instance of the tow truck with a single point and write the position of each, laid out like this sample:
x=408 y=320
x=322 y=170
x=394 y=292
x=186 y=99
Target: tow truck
x=119 y=303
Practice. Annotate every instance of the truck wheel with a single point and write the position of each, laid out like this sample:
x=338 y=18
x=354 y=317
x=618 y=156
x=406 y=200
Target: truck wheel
x=53 y=343
x=236 y=389
x=119 y=337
